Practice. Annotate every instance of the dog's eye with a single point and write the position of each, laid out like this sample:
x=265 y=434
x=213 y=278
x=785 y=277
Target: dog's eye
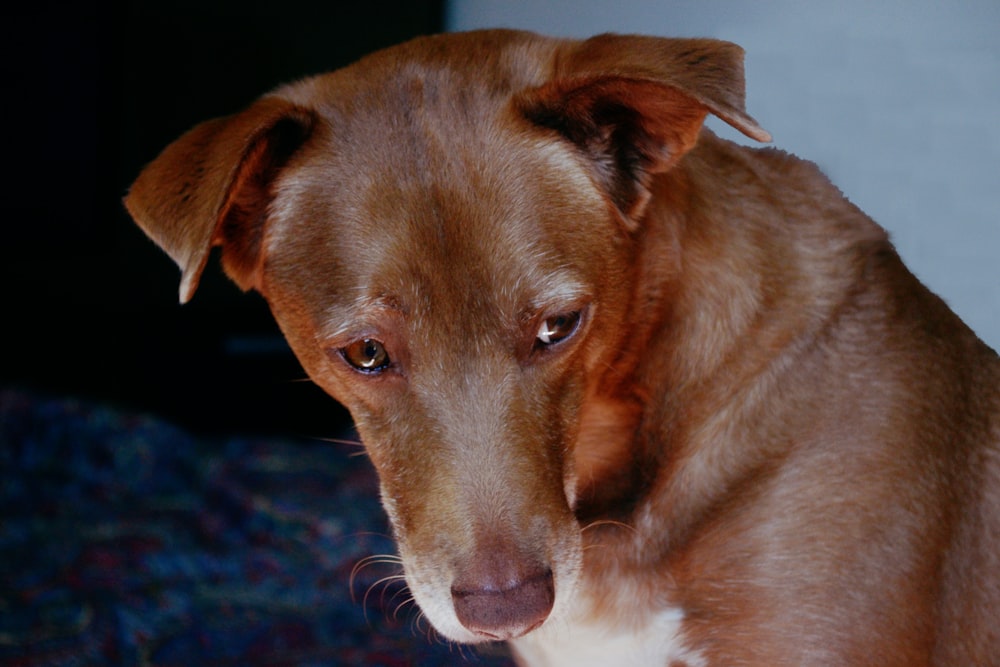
x=366 y=355
x=557 y=328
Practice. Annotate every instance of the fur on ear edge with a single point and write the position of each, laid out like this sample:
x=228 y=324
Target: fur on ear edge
x=211 y=187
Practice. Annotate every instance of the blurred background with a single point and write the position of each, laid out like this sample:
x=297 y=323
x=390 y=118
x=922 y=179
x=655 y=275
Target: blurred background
x=169 y=490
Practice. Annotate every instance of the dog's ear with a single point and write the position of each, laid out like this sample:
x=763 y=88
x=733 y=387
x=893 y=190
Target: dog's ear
x=636 y=104
x=213 y=186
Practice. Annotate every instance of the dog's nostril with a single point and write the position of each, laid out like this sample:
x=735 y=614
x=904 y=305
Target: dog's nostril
x=503 y=613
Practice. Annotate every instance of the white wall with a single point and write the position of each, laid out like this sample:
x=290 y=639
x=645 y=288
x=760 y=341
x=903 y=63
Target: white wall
x=897 y=100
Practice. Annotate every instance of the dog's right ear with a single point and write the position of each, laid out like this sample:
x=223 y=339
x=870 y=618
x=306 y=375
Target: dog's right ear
x=635 y=105
x=212 y=187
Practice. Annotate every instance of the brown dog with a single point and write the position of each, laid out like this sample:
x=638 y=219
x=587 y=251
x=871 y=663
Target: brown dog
x=636 y=395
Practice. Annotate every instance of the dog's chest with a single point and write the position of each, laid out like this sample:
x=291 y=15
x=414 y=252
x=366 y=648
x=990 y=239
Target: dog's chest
x=564 y=643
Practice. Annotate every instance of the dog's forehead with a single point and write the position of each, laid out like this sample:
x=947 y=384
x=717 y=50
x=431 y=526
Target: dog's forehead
x=419 y=188
x=490 y=225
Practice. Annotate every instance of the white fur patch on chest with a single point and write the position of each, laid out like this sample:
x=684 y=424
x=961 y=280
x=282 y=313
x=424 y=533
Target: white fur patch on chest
x=656 y=643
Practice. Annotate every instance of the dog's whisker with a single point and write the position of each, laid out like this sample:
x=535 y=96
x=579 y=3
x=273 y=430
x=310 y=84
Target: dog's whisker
x=341 y=441
x=609 y=522
x=400 y=591
x=370 y=561
x=408 y=601
x=434 y=636
x=376 y=559
x=416 y=625
x=384 y=582
x=349 y=442
x=461 y=650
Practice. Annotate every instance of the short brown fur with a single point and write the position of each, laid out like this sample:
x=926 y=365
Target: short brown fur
x=757 y=439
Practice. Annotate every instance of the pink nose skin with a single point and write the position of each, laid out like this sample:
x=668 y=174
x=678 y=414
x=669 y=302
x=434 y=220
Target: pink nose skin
x=499 y=607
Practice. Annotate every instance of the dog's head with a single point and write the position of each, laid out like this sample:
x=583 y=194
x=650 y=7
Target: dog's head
x=450 y=235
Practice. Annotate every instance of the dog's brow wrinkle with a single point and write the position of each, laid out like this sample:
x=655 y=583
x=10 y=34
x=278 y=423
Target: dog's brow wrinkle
x=343 y=320
x=558 y=289
x=382 y=302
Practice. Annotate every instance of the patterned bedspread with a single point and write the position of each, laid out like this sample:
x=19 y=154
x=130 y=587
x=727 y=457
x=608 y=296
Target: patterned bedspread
x=126 y=541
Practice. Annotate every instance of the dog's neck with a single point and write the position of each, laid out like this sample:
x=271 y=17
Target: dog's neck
x=704 y=271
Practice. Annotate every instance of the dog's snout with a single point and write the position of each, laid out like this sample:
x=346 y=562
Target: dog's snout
x=503 y=602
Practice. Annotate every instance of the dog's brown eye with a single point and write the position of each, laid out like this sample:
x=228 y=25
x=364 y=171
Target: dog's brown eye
x=366 y=355
x=557 y=328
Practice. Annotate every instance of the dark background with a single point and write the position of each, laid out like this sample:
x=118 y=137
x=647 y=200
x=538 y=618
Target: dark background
x=91 y=92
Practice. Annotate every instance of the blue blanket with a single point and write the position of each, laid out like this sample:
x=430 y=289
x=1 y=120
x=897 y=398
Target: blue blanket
x=127 y=541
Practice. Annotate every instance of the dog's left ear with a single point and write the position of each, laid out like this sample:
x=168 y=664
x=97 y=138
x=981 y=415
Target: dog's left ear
x=636 y=104
x=212 y=187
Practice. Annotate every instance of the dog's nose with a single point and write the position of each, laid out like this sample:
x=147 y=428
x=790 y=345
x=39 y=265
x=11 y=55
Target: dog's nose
x=503 y=602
